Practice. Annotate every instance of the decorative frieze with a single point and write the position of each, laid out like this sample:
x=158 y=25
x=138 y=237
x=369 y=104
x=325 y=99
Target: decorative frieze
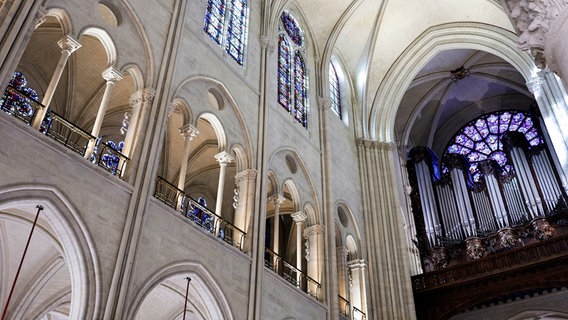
x=245 y=175
x=141 y=96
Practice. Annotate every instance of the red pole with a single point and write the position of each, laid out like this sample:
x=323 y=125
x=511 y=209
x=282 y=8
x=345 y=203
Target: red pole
x=186 y=292
x=39 y=208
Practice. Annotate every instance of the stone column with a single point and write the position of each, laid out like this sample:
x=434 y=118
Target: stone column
x=299 y=218
x=277 y=200
x=341 y=254
x=223 y=158
x=358 y=291
x=138 y=100
x=68 y=45
x=188 y=132
x=314 y=236
x=111 y=75
x=246 y=184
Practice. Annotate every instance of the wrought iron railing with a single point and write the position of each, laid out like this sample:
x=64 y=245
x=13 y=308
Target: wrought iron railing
x=66 y=133
x=108 y=156
x=291 y=274
x=344 y=307
x=199 y=214
x=358 y=314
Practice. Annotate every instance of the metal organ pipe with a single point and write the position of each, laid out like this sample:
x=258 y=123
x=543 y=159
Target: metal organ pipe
x=462 y=199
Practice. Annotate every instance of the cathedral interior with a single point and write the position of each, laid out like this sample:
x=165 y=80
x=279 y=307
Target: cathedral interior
x=283 y=159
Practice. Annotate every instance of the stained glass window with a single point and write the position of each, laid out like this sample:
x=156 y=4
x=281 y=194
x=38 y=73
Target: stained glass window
x=18 y=97
x=481 y=139
x=300 y=89
x=227 y=24
x=284 y=81
x=292 y=28
x=334 y=93
x=292 y=79
x=236 y=30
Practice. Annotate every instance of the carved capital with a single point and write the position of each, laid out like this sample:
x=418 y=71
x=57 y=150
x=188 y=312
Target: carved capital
x=141 y=96
x=299 y=217
x=245 y=175
x=223 y=158
x=267 y=43
x=314 y=230
x=68 y=44
x=532 y=20
x=385 y=146
x=40 y=17
x=324 y=103
x=277 y=199
x=356 y=264
x=188 y=132
x=112 y=75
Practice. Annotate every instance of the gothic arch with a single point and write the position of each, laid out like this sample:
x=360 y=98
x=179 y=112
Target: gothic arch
x=205 y=292
x=65 y=223
x=497 y=41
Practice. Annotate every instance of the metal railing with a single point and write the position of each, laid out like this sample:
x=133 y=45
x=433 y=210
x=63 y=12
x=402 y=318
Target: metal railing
x=199 y=214
x=344 y=307
x=66 y=133
x=291 y=274
x=358 y=314
x=110 y=158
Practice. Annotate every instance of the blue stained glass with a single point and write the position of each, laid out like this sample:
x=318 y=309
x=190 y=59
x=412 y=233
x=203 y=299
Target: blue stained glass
x=300 y=94
x=500 y=157
x=215 y=19
x=18 y=97
x=236 y=30
x=490 y=129
x=493 y=142
x=284 y=81
x=334 y=93
x=292 y=28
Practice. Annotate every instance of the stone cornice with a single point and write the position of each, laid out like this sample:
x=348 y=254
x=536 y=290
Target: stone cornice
x=357 y=264
x=314 y=230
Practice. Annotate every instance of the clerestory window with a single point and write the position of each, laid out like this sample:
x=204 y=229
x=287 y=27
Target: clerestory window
x=226 y=22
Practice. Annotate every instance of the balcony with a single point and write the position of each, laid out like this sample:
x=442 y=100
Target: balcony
x=537 y=267
x=290 y=273
x=107 y=154
x=196 y=212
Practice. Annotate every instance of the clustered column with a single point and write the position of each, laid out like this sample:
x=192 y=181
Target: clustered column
x=68 y=45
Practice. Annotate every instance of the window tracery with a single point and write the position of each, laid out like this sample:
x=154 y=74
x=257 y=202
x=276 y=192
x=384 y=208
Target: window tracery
x=292 y=79
x=227 y=24
x=480 y=139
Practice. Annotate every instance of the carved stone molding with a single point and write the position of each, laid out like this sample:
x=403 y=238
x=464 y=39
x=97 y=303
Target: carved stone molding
x=112 y=75
x=277 y=199
x=68 y=44
x=141 y=96
x=40 y=17
x=223 y=158
x=324 y=103
x=532 y=20
x=267 y=43
x=245 y=175
x=356 y=264
x=299 y=217
x=189 y=131
x=314 y=230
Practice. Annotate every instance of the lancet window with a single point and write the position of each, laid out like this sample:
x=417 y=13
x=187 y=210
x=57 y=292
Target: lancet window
x=292 y=78
x=226 y=22
x=334 y=93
